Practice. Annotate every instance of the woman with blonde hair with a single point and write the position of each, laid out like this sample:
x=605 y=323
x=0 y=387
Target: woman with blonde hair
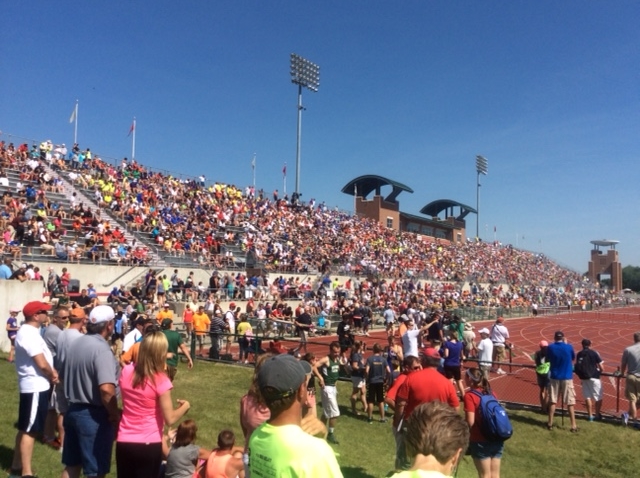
x=146 y=407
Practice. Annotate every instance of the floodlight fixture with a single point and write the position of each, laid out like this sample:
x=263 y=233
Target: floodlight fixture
x=304 y=74
x=482 y=167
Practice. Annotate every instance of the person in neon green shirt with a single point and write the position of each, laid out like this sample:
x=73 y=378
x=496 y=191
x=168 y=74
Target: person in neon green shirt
x=279 y=448
x=435 y=439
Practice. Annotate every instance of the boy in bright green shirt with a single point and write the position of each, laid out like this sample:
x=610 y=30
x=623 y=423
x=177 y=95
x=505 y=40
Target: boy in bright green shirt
x=279 y=448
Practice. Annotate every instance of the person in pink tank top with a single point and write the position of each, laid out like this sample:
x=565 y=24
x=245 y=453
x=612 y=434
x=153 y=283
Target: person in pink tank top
x=226 y=460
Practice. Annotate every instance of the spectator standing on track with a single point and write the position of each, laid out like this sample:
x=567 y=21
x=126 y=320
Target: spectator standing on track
x=230 y=320
x=280 y=447
x=201 y=323
x=377 y=372
x=327 y=371
x=389 y=318
x=485 y=351
x=436 y=438
x=542 y=374
x=589 y=367
x=303 y=324
x=34 y=365
x=499 y=338
x=561 y=356
x=217 y=329
x=469 y=340
x=630 y=365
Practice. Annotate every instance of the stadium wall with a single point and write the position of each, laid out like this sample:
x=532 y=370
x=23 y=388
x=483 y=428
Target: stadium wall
x=14 y=293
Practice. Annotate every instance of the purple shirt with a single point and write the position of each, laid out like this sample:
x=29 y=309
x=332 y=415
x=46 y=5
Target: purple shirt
x=12 y=322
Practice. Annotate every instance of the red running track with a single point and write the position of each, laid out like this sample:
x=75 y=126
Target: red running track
x=610 y=331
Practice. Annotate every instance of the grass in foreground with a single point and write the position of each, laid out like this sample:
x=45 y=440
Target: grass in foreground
x=600 y=450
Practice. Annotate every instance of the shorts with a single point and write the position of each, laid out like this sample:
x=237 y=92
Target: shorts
x=375 y=393
x=88 y=439
x=564 y=387
x=592 y=389
x=171 y=372
x=632 y=388
x=330 y=401
x=32 y=411
x=484 y=450
x=543 y=380
x=498 y=352
x=452 y=372
x=357 y=323
x=358 y=382
x=58 y=401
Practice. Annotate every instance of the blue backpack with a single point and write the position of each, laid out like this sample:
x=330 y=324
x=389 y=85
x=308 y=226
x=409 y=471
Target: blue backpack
x=495 y=423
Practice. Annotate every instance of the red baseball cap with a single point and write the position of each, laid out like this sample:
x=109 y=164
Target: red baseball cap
x=431 y=352
x=32 y=308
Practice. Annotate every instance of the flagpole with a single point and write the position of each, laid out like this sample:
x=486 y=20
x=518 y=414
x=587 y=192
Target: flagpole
x=133 y=142
x=74 y=119
x=75 y=128
x=253 y=167
x=284 y=179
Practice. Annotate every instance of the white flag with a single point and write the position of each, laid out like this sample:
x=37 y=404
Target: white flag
x=73 y=114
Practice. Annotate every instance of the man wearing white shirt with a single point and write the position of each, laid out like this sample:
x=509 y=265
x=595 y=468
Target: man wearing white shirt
x=34 y=365
x=499 y=336
x=133 y=336
x=485 y=352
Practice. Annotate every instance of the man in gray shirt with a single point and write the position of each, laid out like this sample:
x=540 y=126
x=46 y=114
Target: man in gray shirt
x=90 y=372
x=54 y=419
x=631 y=366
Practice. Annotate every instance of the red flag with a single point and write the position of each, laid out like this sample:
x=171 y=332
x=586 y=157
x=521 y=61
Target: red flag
x=284 y=170
x=132 y=129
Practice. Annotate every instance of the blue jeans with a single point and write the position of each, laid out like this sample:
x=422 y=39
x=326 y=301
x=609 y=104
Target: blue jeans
x=88 y=439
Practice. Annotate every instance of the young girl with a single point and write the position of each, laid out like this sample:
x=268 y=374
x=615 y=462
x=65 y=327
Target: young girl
x=184 y=455
x=486 y=454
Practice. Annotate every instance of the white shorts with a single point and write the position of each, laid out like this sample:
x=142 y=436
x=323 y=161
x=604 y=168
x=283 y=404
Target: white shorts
x=358 y=382
x=330 y=401
x=592 y=389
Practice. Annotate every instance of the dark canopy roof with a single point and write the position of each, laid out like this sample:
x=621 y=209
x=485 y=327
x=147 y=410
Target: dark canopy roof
x=367 y=184
x=436 y=207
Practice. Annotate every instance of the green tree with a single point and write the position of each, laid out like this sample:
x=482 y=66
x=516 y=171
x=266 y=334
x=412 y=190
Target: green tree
x=631 y=278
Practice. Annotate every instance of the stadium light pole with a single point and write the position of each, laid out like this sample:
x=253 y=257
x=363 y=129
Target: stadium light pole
x=482 y=167
x=304 y=74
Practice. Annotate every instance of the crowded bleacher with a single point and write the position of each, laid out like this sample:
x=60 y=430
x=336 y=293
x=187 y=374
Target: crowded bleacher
x=132 y=212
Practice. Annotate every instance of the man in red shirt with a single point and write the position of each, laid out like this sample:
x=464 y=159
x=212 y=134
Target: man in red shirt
x=421 y=386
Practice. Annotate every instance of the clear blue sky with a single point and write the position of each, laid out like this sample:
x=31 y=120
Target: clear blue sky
x=547 y=91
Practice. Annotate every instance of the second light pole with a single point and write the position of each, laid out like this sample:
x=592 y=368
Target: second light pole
x=307 y=74
x=482 y=167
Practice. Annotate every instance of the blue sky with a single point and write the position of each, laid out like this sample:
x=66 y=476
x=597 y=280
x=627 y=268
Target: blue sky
x=547 y=91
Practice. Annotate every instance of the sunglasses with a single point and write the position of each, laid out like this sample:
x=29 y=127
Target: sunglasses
x=416 y=368
x=42 y=312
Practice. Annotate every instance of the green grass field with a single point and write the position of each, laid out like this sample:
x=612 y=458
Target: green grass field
x=366 y=451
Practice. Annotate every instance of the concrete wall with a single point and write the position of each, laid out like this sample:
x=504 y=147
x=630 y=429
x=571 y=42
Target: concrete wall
x=14 y=293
